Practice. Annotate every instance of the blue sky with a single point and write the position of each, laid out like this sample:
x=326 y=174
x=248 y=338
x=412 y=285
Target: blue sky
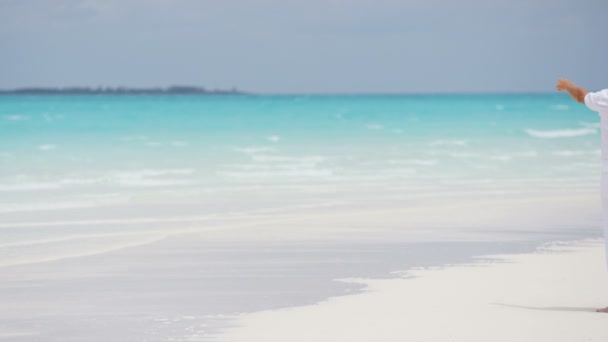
x=306 y=46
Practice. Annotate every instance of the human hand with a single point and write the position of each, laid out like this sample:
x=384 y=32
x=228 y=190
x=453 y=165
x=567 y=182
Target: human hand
x=564 y=84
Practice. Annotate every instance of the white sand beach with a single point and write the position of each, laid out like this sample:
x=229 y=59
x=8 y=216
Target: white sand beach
x=549 y=295
x=268 y=276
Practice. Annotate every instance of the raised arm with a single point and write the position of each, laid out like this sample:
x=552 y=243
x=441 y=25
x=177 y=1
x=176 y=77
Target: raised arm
x=575 y=91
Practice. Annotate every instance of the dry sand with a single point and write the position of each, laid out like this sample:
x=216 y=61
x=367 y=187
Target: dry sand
x=550 y=295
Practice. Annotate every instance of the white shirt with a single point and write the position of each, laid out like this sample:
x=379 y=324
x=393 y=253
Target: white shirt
x=599 y=102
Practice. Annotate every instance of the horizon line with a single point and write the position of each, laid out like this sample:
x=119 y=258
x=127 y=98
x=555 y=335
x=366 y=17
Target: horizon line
x=201 y=90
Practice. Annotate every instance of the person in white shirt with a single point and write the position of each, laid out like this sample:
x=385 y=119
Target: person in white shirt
x=597 y=102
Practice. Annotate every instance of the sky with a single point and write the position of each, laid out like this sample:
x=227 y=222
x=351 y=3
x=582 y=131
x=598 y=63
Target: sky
x=306 y=46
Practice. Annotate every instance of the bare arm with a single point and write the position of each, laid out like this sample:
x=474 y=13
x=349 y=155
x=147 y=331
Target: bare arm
x=575 y=91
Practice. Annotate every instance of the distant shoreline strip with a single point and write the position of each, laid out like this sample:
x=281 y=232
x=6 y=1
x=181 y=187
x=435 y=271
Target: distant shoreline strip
x=172 y=90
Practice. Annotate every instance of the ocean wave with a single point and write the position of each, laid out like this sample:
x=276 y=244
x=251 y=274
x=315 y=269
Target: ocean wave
x=273 y=166
x=273 y=138
x=374 y=126
x=153 y=173
x=150 y=177
x=561 y=133
x=290 y=173
x=252 y=149
x=574 y=153
x=135 y=138
x=528 y=154
x=16 y=117
x=462 y=155
x=502 y=158
x=52 y=117
x=145 y=177
x=267 y=167
x=590 y=124
x=421 y=162
x=22 y=185
x=138 y=182
x=455 y=142
x=174 y=143
x=560 y=107
x=284 y=159
x=29 y=186
x=47 y=147
x=509 y=156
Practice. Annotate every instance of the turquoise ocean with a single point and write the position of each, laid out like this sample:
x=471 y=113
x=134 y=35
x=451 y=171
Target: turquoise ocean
x=82 y=172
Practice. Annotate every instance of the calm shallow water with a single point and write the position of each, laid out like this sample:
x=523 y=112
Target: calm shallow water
x=115 y=159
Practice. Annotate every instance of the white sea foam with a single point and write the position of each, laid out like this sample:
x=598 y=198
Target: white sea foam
x=135 y=138
x=560 y=107
x=462 y=155
x=24 y=185
x=284 y=159
x=30 y=186
x=16 y=117
x=145 y=177
x=79 y=181
x=526 y=154
x=50 y=117
x=574 y=153
x=273 y=138
x=47 y=147
x=375 y=126
x=289 y=173
x=568 y=153
x=502 y=158
x=422 y=162
x=10 y=207
x=152 y=182
x=460 y=142
x=259 y=167
x=562 y=133
x=590 y=124
x=252 y=149
x=149 y=143
x=155 y=172
x=272 y=166
x=150 y=177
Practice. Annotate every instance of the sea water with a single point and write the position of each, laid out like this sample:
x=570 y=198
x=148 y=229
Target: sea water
x=85 y=174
